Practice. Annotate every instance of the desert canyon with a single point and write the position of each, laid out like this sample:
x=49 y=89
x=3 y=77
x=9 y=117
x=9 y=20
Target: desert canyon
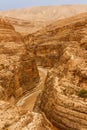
x=43 y=68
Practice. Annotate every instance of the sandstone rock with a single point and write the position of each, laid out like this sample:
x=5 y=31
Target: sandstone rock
x=17 y=69
x=45 y=44
x=12 y=118
x=61 y=45
x=46 y=55
x=60 y=99
x=7 y=32
x=30 y=20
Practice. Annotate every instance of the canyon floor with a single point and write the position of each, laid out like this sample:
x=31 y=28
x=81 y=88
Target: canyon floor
x=43 y=68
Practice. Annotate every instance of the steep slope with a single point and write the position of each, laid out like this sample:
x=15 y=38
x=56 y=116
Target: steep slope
x=25 y=26
x=6 y=29
x=29 y=20
x=45 y=43
x=61 y=45
x=13 y=118
x=18 y=71
x=64 y=98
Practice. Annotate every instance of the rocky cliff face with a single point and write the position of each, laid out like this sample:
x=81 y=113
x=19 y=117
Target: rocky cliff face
x=23 y=26
x=61 y=45
x=44 y=44
x=13 y=118
x=18 y=75
x=18 y=71
x=61 y=99
x=46 y=54
x=7 y=32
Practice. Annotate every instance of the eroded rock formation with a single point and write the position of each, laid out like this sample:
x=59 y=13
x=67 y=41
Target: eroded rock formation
x=46 y=54
x=61 y=45
x=60 y=99
x=18 y=71
x=14 y=118
x=44 y=44
x=29 y=20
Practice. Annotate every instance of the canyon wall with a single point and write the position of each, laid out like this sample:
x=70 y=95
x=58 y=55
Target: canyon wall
x=61 y=99
x=14 y=118
x=18 y=75
x=18 y=70
x=45 y=44
x=46 y=54
x=61 y=46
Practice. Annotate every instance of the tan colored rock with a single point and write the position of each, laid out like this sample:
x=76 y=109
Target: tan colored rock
x=46 y=54
x=46 y=44
x=30 y=20
x=60 y=99
x=62 y=45
x=17 y=69
x=7 y=32
x=12 y=118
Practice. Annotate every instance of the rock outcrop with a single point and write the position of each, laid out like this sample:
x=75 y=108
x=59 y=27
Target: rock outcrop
x=61 y=45
x=18 y=75
x=7 y=32
x=46 y=54
x=61 y=100
x=44 y=44
x=18 y=71
x=13 y=118
x=25 y=27
x=29 y=20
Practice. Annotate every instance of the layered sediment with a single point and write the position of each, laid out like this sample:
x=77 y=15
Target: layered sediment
x=30 y=20
x=14 y=118
x=61 y=100
x=18 y=70
x=61 y=46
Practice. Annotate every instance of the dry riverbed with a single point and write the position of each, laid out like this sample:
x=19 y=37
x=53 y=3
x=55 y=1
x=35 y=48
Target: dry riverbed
x=27 y=101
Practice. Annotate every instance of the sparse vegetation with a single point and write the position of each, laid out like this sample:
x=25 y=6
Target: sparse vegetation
x=83 y=93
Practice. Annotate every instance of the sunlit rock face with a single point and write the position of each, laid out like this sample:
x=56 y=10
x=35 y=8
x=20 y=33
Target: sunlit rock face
x=45 y=44
x=13 y=118
x=18 y=71
x=7 y=32
x=46 y=55
x=62 y=46
x=30 y=20
x=61 y=99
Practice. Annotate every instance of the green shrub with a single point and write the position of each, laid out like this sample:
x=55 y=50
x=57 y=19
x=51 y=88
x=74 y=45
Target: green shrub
x=83 y=93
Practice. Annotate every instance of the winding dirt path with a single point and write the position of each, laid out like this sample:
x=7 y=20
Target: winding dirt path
x=27 y=101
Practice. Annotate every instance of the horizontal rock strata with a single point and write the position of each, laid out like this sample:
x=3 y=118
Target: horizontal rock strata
x=60 y=99
x=14 y=118
x=44 y=44
x=18 y=71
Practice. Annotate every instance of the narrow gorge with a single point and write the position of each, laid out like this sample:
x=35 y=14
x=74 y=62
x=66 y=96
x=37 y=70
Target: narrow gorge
x=43 y=69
